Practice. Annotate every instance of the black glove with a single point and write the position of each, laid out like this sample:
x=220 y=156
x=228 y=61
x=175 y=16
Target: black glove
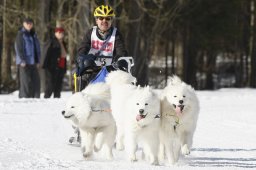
x=121 y=65
x=84 y=62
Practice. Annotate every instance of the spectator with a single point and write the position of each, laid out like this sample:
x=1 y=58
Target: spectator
x=27 y=49
x=55 y=64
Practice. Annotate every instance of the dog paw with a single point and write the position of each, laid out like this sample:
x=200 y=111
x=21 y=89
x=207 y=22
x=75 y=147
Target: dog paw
x=172 y=163
x=185 y=150
x=71 y=139
x=87 y=155
x=133 y=158
x=110 y=157
x=161 y=157
x=154 y=162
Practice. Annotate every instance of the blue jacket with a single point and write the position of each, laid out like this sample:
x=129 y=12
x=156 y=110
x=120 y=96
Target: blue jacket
x=27 y=47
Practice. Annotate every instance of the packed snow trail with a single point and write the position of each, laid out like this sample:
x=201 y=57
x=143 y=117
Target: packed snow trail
x=34 y=135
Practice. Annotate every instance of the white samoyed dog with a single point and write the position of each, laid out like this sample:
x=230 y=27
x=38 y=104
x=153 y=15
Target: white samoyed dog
x=142 y=123
x=136 y=111
x=90 y=111
x=121 y=86
x=179 y=114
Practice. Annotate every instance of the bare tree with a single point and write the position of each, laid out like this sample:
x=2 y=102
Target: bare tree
x=252 y=46
x=7 y=49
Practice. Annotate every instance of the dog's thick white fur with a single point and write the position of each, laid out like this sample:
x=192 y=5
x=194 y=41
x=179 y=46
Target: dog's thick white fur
x=142 y=124
x=179 y=114
x=121 y=87
x=136 y=112
x=90 y=111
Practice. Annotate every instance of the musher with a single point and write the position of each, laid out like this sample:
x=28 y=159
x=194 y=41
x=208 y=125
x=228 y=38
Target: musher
x=102 y=45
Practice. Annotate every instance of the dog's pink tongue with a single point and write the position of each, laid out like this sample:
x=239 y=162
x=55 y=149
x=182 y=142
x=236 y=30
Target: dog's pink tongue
x=139 y=117
x=178 y=111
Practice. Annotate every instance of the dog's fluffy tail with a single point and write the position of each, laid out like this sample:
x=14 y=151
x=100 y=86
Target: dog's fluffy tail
x=101 y=90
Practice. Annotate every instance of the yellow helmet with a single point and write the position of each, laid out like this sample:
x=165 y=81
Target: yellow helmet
x=104 y=11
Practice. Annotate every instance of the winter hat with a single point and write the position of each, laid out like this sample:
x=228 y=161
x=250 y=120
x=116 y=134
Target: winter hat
x=28 y=20
x=59 y=28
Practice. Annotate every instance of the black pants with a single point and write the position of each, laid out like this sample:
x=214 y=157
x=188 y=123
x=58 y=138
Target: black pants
x=53 y=82
x=29 y=82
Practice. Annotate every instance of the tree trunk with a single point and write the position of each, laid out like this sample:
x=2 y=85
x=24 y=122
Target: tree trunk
x=173 y=55
x=253 y=67
x=190 y=55
x=167 y=49
x=43 y=34
x=6 y=55
x=211 y=62
x=178 y=53
x=1 y=43
x=133 y=35
x=253 y=46
x=251 y=42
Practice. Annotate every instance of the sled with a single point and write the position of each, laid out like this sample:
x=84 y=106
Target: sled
x=99 y=74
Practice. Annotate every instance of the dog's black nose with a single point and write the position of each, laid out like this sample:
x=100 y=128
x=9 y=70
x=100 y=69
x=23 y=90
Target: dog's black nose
x=63 y=112
x=141 y=111
x=180 y=101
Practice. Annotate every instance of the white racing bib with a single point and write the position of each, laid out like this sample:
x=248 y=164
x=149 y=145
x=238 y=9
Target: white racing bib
x=102 y=47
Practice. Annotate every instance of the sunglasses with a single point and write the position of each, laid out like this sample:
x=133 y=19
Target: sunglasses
x=106 y=18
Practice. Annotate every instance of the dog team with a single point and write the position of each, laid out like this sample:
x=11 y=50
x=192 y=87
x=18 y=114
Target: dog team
x=117 y=112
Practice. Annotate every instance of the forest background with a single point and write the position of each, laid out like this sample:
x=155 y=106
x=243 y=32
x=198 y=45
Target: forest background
x=210 y=44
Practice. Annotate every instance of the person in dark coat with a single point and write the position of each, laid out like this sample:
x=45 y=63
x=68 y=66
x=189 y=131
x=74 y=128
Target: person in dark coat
x=102 y=45
x=27 y=48
x=55 y=64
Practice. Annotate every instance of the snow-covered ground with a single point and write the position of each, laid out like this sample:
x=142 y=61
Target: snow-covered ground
x=34 y=135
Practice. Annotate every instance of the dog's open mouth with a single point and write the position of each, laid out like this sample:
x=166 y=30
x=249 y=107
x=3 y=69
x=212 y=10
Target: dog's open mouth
x=178 y=109
x=67 y=117
x=140 y=116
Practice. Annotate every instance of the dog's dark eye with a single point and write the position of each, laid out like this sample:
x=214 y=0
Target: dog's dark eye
x=72 y=107
x=174 y=96
x=137 y=104
x=146 y=104
x=184 y=96
x=132 y=83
